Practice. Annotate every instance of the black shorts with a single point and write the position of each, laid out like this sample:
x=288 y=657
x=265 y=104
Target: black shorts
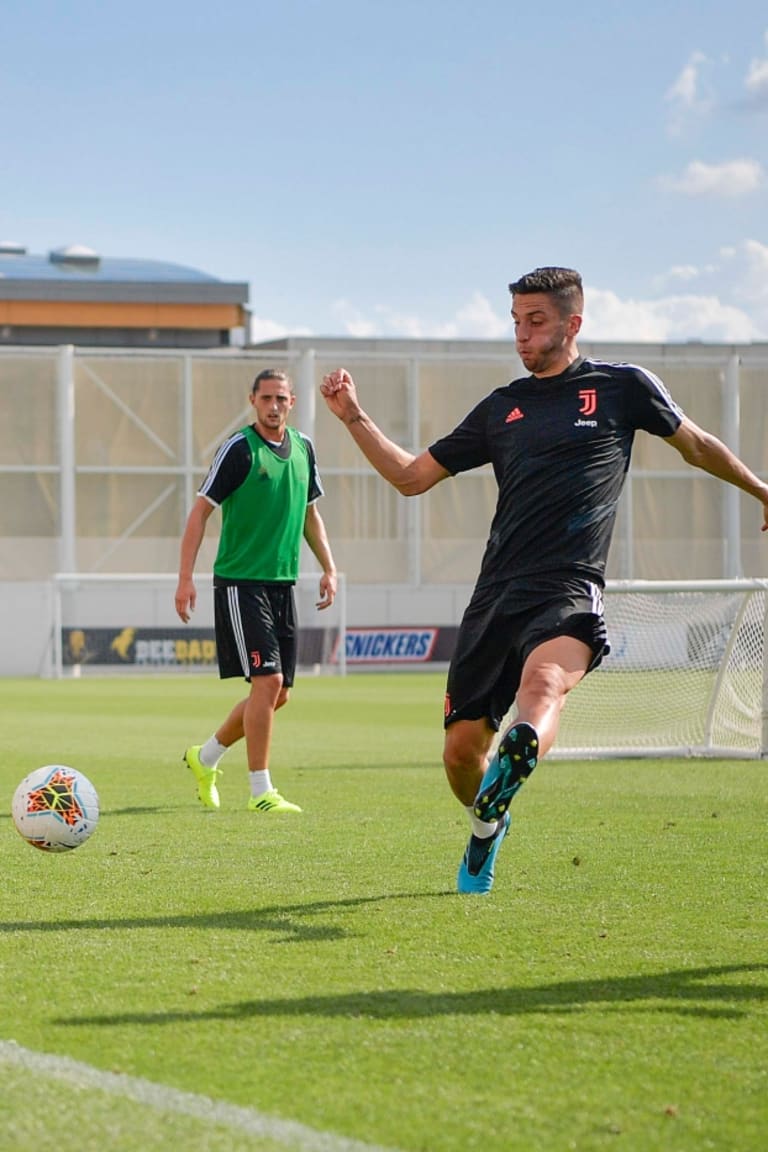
x=255 y=630
x=501 y=627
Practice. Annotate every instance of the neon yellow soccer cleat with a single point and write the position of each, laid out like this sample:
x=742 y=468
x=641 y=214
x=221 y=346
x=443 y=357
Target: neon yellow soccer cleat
x=207 y=792
x=271 y=802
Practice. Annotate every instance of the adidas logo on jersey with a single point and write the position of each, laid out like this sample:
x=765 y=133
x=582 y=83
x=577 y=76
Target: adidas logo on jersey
x=515 y=414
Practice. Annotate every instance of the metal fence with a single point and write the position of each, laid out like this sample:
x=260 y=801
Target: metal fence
x=101 y=453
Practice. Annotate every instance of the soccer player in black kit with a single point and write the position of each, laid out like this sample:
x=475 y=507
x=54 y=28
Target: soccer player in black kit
x=560 y=442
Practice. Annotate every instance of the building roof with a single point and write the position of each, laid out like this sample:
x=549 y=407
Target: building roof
x=75 y=272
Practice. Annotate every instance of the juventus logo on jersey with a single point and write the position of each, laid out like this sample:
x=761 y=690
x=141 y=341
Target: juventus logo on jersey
x=588 y=397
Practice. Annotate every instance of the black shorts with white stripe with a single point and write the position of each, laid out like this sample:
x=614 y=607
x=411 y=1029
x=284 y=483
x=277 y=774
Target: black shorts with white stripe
x=502 y=625
x=255 y=629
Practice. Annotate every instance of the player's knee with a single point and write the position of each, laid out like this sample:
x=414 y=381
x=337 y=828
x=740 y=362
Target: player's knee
x=546 y=682
x=458 y=754
x=268 y=691
x=282 y=698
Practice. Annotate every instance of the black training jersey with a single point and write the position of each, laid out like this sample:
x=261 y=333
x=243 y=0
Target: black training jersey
x=560 y=449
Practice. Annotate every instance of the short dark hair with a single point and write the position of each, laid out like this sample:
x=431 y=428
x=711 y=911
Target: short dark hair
x=271 y=374
x=564 y=284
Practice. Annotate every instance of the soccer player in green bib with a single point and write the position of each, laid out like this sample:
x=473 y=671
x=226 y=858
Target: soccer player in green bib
x=264 y=479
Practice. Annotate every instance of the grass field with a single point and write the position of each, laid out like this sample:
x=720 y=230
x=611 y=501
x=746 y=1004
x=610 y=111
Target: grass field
x=233 y=981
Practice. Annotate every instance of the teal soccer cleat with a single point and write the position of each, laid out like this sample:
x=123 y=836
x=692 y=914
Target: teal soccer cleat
x=476 y=871
x=513 y=763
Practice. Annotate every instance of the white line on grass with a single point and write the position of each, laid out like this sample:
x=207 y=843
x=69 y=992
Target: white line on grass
x=165 y=1099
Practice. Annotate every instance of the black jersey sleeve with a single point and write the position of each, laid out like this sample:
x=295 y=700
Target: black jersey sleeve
x=315 y=486
x=467 y=446
x=229 y=469
x=654 y=410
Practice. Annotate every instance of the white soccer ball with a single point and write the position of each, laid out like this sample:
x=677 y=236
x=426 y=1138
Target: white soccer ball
x=55 y=808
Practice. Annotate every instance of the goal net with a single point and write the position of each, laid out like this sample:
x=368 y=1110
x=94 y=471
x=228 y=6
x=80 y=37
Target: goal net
x=125 y=622
x=687 y=674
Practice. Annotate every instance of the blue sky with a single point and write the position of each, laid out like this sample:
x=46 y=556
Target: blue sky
x=383 y=168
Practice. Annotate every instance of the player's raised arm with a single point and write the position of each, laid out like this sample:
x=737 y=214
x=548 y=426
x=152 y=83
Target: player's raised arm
x=703 y=450
x=409 y=474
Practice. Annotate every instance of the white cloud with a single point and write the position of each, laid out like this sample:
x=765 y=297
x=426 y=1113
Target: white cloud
x=608 y=317
x=262 y=329
x=747 y=267
x=756 y=81
x=757 y=77
x=402 y=324
x=685 y=97
x=477 y=320
x=474 y=320
x=684 y=272
x=353 y=322
x=730 y=179
x=735 y=312
x=669 y=319
x=683 y=91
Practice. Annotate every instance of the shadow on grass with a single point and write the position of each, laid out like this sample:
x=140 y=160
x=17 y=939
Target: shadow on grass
x=134 y=810
x=290 y=922
x=362 y=765
x=702 y=992
x=141 y=809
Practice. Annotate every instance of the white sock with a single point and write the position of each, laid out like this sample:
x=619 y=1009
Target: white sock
x=211 y=752
x=261 y=782
x=480 y=828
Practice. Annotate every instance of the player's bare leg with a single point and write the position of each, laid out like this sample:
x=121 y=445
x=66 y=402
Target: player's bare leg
x=266 y=696
x=257 y=717
x=465 y=756
x=549 y=674
x=233 y=729
x=467 y=744
x=551 y=671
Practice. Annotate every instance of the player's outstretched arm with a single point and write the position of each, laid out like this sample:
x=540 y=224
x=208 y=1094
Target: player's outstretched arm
x=409 y=474
x=703 y=450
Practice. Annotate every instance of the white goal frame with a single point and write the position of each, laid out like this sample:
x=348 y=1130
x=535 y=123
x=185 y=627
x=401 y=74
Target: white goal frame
x=727 y=715
x=160 y=614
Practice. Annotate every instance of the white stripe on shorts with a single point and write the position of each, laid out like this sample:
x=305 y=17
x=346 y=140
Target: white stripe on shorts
x=236 y=620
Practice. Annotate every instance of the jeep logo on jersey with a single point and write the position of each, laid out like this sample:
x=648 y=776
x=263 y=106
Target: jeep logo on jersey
x=588 y=397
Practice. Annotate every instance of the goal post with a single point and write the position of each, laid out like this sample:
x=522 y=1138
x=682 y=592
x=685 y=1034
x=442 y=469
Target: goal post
x=687 y=674
x=125 y=622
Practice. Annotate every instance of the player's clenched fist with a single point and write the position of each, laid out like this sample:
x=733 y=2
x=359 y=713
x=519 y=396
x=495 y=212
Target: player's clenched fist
x=338 y=390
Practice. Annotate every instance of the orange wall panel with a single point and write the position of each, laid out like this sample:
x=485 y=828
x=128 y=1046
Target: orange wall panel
x=84 y=314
